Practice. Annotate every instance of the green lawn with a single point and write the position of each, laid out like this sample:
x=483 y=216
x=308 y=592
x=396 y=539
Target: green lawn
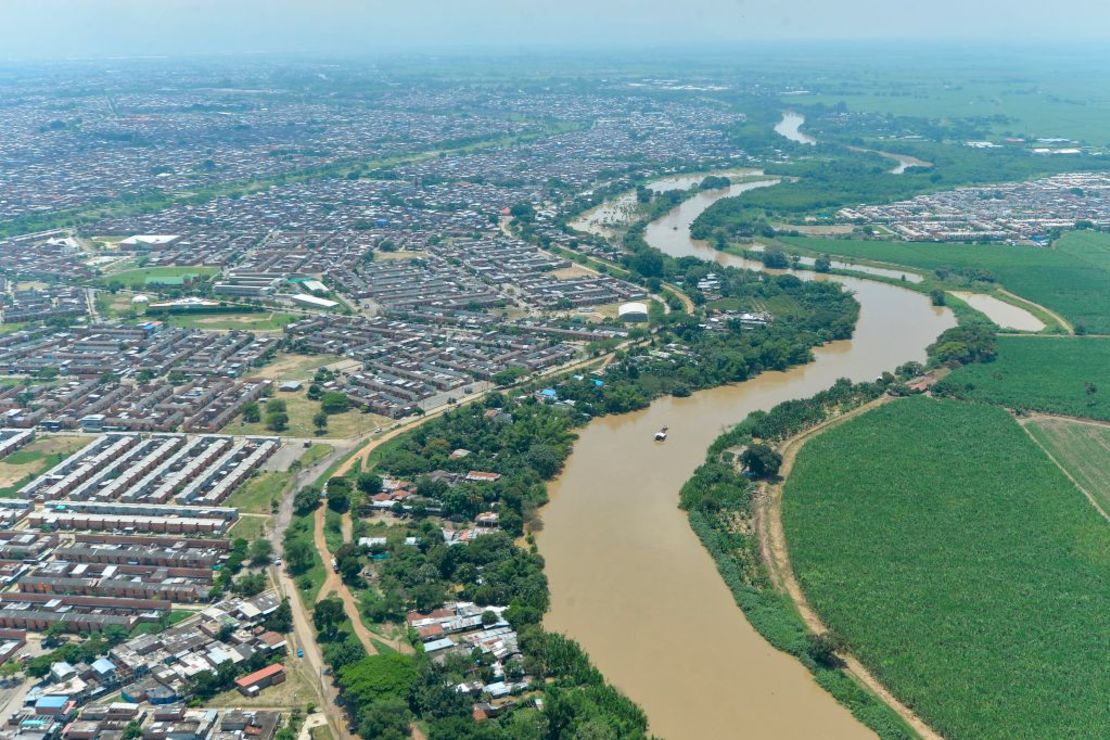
x=1059 y=375
x=315 y=454
x=145 y=276
x=963 y=568
x=245 y=321
x=1070 y=278
x=249 y=527
x=301 y=411
x=149 y=628
x=21 y=467
x=1082 y=449
x=259 y=491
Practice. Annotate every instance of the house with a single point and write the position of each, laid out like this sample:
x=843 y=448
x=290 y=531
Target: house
x=478 y=476
x=253 y=683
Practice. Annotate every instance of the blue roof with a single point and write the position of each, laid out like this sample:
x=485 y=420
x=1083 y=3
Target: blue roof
x=550 y=392
x=103 y=665
x=52 y=702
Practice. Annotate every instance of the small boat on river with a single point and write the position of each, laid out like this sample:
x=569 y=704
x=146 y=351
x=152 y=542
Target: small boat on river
x=661 y=435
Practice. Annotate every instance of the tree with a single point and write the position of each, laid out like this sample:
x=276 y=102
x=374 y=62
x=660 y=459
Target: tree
x=544 y=460
x=334 y=402
x=320 y=421
x=298 y=556
x=115 y=634
x=280 y=619
x=348 y=562
x=775 y=259
x=339 y=494
x=251 y=584
x=260 y=551
x=823 y=649
x=936 y=295
x=252 y=414
x=761 y=461
x=307 y=500
x=387 y=719
x=277 y=421
x=328 y=615
x=822 y=263
x=370 y=483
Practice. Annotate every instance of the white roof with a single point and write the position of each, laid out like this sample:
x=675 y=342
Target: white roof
x=633 y=307
x=314 y=301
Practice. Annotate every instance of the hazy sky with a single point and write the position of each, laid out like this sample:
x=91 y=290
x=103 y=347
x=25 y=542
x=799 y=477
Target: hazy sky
x=77 y=28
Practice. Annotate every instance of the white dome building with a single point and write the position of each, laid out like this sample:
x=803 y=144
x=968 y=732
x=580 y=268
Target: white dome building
x=634 y=311
x=140 y=300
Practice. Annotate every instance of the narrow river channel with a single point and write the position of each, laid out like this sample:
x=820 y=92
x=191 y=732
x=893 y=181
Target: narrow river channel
x=629 y=579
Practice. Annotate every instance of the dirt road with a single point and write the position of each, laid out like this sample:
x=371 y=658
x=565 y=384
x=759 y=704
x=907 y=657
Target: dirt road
x=334 y=585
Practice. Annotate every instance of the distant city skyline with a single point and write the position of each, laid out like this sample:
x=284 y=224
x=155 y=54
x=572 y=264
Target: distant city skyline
x=112 y=28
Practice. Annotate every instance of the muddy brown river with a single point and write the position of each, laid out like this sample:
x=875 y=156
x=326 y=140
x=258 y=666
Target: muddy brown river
x=630 y=580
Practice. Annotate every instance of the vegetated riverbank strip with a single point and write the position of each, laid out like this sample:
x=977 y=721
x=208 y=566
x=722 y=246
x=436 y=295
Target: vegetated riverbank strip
x=152 y=202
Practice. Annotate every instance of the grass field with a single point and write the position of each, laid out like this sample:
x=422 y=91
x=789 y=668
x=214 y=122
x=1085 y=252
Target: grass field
x=1082 y=449
x=315 y=454
x=1059 y=375
x=287 y=366
x=144 y=276
x=962 y=566
x=295 y=691
x=347 y=425
x=259 y=491
x=44 y=452
x=1071 y=278
x=250 y=527
x=245 y=321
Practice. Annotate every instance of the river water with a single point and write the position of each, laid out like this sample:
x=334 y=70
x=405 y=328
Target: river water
x=630 y=580
x=790 y=126
x=1006 y=315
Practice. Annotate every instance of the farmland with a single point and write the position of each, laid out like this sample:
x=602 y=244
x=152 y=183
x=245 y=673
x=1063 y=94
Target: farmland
x=1060 y=375
x=961 y=566
x=1070 y=278
x=1082 y=448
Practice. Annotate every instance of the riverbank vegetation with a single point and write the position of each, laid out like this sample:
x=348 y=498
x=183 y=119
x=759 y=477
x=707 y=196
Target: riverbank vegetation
x=1056 y=375
x=941 y=567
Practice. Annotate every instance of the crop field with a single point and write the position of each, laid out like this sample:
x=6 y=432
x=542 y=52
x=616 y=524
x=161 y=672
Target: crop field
x=1083 y=450
x=1070 y=278
x=961 y=565
x=1056 y=375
